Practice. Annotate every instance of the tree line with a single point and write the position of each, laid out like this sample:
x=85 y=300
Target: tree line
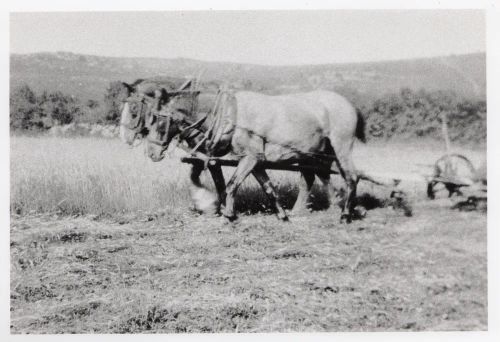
x=39 y=112
x=406 y=114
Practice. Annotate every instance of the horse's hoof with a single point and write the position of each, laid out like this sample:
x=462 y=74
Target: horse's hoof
x=345 y=218
x=360 y=212
x=283 y=217
x=231 y=217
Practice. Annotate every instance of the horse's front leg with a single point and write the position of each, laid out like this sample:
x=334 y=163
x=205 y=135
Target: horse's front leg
x=265 y=183
x=244 y=168
x=204 y=200
x=219 y=182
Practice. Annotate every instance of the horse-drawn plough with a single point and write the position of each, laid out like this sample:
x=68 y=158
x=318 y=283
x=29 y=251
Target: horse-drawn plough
x=455 y=171
x=252 y=133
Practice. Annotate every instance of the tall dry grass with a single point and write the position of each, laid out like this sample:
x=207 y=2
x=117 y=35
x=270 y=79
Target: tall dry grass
x=103 y=176
x=84 y=175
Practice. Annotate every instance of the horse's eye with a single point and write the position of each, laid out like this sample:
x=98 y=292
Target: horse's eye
x=163 y=126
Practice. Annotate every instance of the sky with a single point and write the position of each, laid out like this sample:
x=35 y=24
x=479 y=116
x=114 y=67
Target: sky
x=258 y=37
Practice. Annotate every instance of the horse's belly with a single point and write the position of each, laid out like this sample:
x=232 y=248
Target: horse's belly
x=276 y=153
x=276 y=148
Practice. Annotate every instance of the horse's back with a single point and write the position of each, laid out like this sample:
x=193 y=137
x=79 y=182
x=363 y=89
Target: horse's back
x=335 y=115
x=279 y=111
x=278 y=126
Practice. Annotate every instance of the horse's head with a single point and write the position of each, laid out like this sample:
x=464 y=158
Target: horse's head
x=169 y=121
x=136 y=110
x=164 y=126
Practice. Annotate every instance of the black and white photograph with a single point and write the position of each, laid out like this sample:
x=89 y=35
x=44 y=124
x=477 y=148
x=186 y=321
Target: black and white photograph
x=187 y=171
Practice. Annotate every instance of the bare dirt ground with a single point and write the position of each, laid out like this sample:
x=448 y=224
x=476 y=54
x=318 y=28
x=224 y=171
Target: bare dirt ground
x=189 y=273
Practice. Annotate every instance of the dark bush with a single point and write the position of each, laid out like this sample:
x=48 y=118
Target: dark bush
x=31 y=112
x=113 y=98
x=23 y=108
x=59 y=108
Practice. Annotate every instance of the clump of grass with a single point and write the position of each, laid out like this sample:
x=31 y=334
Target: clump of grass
x=82 y=175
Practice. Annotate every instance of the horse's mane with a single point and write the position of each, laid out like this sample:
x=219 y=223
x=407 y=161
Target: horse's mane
x=171 y=84
x=137 y=81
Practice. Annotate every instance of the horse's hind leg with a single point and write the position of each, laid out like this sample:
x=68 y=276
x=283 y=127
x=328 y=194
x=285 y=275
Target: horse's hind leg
x=430 y=190
x=325 y=179
x=244 y=168
x=347 y=171
x=265 y=183
x=305 y=185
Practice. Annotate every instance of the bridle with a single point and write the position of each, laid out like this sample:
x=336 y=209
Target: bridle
x=138 y=123
x=187 y=130
x=160 y=117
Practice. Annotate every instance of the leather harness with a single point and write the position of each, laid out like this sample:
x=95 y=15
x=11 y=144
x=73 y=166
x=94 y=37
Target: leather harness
x=219 y=126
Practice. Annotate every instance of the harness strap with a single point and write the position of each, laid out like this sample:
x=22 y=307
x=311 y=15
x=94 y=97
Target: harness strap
x=195 y=149
x=222 y=124
x=214 y=113
x=197 y=124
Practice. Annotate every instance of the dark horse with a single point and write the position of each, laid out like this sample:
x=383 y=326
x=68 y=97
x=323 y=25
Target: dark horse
x=316 y=128
x=144 y=97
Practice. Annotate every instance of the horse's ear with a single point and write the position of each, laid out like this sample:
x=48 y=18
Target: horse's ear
x=161 y=97
x=129 y=88
x=185 y=86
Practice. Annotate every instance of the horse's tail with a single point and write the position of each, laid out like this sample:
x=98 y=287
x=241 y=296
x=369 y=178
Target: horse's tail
x=360 y=126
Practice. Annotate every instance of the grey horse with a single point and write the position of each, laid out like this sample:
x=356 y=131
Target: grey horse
x=315 y=128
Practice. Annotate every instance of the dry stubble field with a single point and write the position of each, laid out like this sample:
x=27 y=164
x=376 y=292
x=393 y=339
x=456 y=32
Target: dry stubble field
x=102 y=240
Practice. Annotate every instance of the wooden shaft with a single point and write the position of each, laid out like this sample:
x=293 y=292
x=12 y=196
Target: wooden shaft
x=264 y=164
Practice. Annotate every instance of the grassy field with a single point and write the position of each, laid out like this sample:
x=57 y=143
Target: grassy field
x=103 y=176
x=102 y=240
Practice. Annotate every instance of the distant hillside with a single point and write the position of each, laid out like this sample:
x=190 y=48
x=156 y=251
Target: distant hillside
x=87 y=77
